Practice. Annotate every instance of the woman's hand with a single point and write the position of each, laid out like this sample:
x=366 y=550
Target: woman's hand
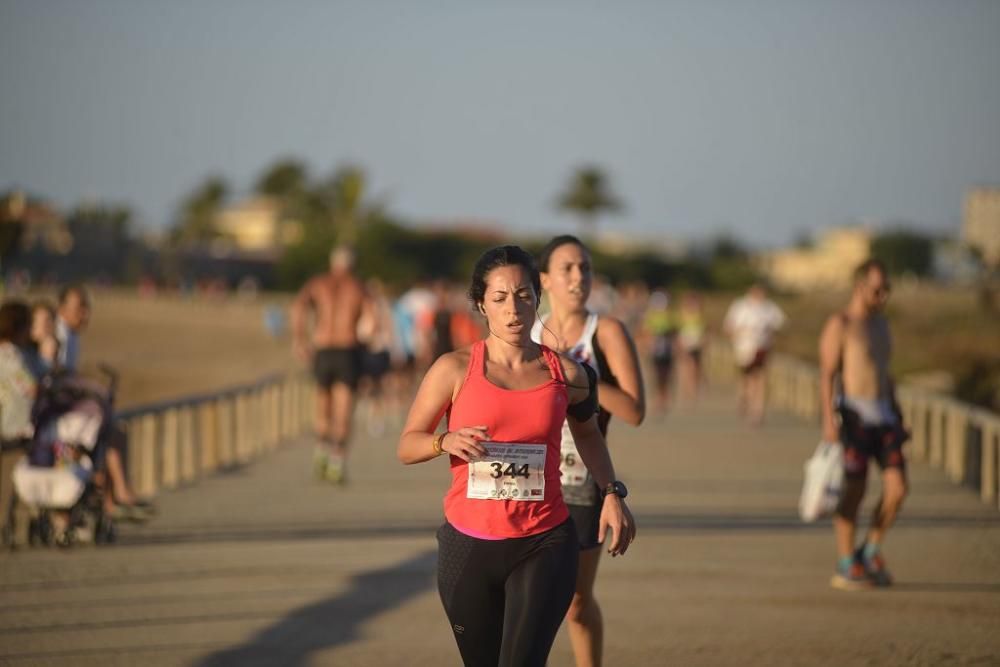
x=464 y=443
x=615 y=515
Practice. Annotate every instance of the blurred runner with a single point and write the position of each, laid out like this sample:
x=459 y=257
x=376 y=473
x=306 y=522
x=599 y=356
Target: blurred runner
x=690 y=343
x=751 y=323
x=376 y=330
x=603 y=343
x=337 y=300
x=661 y=329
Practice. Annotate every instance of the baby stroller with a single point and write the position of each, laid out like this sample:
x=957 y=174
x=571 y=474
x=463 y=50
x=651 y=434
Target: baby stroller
x=55 y=498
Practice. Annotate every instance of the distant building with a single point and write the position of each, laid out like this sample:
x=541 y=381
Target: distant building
x=827 y=265
x=256 y=225
x=622 y=243
x=981 y=223
x=42 y=226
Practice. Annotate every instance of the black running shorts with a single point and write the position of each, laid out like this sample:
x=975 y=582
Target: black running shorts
x=337 y=365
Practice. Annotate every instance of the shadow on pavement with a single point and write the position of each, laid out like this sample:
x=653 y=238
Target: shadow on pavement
x=944 y=587
x=728 y=519
x=332 y=622
x=736 y=521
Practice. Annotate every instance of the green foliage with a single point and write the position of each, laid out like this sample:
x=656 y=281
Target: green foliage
x=196 y=220
x=978 y=382
x=726 y=264
x=10 y=235
x=726 y=247
x=337 y=209
x=11 y=226
x=398 y=255
x=587 y=195
x=732 y=274
x=344 y=197
x=104 y=220
x=650 y=268
x=285 y=179
x=904 y=251
x=306 y=258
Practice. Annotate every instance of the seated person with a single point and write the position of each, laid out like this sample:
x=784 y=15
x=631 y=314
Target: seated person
x=18 y=388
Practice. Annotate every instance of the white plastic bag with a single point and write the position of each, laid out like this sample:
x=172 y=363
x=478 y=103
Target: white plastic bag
x=59 y=487
x=824 y=478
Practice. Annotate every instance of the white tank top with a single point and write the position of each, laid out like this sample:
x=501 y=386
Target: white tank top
x=578 y=487
x=583 y=350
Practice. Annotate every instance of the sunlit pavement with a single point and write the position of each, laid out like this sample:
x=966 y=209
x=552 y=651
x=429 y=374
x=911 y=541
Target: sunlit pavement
x=265 y=566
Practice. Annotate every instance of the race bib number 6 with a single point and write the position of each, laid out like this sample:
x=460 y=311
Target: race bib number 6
x=509 y=471
x=571 y=467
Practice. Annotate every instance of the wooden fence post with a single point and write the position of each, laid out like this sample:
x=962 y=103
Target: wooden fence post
x=209 y=440
x=989 y=430
x=146 y=449
x=936 y=435
x=188 y=453
x=919 y=427
x=955 y=449
x=226 y=427
x=170 y=450
x=242 y=446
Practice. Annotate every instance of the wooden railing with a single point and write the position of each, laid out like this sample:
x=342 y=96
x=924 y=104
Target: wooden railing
x=962 y=439
x=172 y=443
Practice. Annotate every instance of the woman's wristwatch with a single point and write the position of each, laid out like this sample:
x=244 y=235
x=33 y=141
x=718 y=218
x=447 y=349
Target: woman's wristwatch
x=616 y=488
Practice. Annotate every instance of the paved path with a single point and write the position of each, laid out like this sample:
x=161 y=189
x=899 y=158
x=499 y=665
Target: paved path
x=263 y=566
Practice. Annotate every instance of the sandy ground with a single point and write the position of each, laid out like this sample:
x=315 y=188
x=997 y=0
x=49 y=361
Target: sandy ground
x=166 y=347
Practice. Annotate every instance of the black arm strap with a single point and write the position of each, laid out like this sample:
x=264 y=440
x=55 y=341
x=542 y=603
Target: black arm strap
x=588 y=407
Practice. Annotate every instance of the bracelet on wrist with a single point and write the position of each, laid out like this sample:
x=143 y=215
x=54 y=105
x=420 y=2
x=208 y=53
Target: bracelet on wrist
x=436 y=443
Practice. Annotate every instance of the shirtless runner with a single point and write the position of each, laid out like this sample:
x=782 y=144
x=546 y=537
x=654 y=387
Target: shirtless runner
x=337 y=299
x=855 y=347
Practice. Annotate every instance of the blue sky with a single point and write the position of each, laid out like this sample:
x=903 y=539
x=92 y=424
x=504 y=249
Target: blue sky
x=765 y=119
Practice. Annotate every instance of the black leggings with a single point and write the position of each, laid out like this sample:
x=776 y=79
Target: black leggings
x=505 y=599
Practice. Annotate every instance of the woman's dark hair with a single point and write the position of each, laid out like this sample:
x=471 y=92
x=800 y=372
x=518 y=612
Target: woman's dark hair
x=545 y=255
x=505 y=255
x=15 y=320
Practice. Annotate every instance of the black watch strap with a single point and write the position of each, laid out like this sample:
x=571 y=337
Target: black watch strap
x=616 y=488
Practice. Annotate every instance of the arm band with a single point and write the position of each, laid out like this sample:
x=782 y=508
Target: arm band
x=588 y=407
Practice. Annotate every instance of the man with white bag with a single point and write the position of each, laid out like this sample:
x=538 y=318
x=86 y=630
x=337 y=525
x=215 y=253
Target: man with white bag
x=854 y=348
x=824 y=472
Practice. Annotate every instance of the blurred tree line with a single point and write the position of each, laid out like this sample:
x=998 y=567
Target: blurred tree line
x=339 y=208
x=92 y=241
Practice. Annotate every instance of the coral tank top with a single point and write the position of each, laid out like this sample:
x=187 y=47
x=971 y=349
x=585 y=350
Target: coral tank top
x=528 y=496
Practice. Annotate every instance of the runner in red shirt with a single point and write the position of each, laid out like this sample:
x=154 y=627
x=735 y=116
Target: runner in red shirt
x=508 y=552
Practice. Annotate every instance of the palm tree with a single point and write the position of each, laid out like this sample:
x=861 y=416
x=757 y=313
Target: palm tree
x=344 y=193
x=196 y=222
x=588 y=196
x=284 y=180
x=12 y=205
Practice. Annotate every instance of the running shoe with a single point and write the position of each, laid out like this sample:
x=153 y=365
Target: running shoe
x=875 y=568
x=320 y=458
x=853 y=578
x=134 y=512
x=335 y=472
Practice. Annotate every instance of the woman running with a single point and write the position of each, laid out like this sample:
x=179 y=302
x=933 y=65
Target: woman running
x=508 y=552
x=661 y=330
x=690 y=342
x=604 y=344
